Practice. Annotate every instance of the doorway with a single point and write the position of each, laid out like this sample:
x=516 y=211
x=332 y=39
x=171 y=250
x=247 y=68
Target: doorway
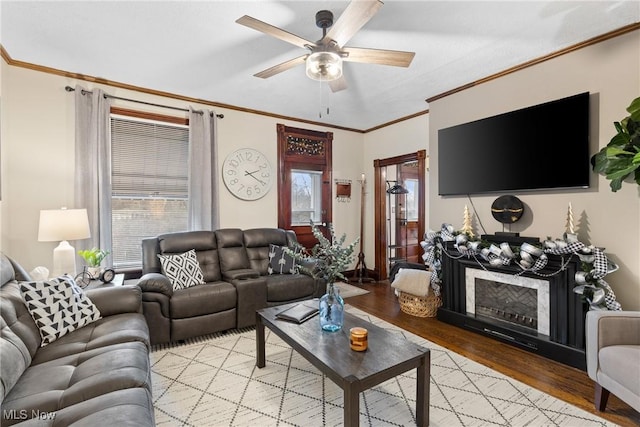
x=304 y=184
x=399 y=210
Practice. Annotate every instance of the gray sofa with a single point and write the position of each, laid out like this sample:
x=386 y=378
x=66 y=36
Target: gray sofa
x=96 y=375
x=235 y=265
x=613 y=355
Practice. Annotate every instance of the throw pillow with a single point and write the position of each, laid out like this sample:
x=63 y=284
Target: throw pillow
x=411 y=281
x=281 y=262
x=58 y=306
x=183 y=270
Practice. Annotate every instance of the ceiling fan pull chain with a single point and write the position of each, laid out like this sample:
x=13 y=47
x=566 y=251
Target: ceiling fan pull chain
x=320 y=98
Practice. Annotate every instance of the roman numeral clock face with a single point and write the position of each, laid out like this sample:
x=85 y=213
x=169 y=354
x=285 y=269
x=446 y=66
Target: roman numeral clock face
x=247 y=174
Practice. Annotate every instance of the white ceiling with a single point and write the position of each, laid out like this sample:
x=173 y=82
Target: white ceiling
x=195 y=48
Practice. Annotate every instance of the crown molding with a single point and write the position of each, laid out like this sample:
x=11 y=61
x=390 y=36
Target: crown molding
x=68 y=74
x=577 y=46
x=595 y=40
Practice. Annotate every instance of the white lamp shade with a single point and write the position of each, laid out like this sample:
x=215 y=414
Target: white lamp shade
x=60 y=225
x=63 y=224
x=324 y=66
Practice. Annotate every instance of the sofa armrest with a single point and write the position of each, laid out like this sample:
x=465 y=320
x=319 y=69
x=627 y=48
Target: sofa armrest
x=116 y=300
x=240 y=274
x=252 y=296
x=607 y=328
x=156 y=282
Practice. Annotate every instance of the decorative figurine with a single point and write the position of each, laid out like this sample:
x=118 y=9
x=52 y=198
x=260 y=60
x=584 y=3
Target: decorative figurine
x=466 y=223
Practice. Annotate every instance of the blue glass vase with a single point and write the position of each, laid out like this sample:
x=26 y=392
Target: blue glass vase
x=331 y=309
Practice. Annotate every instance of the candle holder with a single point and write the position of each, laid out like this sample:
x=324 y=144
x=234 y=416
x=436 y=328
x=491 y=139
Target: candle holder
x=358 y=339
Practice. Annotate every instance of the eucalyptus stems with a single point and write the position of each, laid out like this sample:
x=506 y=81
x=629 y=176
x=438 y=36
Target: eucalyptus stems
x=328 y=258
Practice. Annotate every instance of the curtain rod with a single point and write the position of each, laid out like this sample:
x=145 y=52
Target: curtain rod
x=70 y=89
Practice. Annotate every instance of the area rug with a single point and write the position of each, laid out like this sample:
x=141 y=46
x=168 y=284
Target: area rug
x=347 y=290
x=213 y=381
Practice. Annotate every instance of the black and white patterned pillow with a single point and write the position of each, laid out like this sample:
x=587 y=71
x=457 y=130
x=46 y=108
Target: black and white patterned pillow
x=183 y=270
x=281 y=262
x=58 y=306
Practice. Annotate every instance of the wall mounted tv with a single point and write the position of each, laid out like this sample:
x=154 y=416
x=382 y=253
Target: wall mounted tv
x=545 y=146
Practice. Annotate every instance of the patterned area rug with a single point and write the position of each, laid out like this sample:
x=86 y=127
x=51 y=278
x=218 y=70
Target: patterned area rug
x=213 y=381
x=347 y=290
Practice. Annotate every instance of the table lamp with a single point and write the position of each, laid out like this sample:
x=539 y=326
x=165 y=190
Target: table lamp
x=63 y=225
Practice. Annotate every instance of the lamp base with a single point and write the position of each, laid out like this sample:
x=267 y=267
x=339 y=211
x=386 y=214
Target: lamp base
x=64 y=260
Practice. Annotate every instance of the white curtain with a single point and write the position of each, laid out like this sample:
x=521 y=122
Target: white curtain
x=93 y=166
x=203 y=171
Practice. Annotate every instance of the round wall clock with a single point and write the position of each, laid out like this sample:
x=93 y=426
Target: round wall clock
x=507 y=209
x=247 y=174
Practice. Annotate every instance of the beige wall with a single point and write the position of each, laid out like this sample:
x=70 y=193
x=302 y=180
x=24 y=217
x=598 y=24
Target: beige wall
x=610 y=71
x=3 y=157
x=38 y=137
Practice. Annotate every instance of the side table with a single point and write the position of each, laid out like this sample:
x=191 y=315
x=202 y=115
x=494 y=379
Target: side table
x=118 y=280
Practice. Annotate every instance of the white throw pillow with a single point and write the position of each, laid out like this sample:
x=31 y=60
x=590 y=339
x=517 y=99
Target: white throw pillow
x=183 y=270
x=412 y=281
x=58 y=306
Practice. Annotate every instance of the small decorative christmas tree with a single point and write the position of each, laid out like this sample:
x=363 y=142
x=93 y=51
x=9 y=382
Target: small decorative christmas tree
x=570 y=227
x=467 y=228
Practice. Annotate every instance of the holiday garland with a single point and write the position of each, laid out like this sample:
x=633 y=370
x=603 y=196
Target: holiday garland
x=529 y=258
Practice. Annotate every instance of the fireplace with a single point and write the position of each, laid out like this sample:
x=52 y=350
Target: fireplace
x=537 y=312
x=517 y=301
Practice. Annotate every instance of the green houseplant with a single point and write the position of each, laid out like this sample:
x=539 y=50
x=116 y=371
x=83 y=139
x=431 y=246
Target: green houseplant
x=620 y=159
x=93 y=257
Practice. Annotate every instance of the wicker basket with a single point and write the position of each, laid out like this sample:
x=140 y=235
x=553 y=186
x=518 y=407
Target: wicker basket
x=419 y=306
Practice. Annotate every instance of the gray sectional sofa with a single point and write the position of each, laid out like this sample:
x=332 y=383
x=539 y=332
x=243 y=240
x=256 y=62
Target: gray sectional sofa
x=237 y=282
x=98 y=374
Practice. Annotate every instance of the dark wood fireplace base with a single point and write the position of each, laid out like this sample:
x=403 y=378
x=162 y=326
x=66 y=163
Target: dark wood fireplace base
x=565 y=342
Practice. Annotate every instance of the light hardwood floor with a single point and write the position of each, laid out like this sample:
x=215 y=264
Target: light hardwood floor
x=569 y=384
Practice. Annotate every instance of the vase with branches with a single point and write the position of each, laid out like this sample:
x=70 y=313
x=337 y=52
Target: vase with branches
x=326 y=261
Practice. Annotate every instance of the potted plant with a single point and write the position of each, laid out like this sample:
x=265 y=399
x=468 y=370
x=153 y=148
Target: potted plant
x=620 y=159
x=93 y=258
x=326 y=262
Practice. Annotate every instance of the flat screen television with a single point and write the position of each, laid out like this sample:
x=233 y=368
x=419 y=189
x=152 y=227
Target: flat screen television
x=542 y=147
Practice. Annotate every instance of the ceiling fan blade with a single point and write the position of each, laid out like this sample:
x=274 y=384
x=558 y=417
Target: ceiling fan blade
x=276 y=32
x=338 y=84
x=396 y=58
x=358 y=13
x=269 y=72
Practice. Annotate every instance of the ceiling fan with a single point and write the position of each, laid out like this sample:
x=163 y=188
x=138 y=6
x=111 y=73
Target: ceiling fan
x=324 y=62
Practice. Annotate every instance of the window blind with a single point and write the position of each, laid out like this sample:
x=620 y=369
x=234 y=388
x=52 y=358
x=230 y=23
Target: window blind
x=149 y=184
x=149 y=159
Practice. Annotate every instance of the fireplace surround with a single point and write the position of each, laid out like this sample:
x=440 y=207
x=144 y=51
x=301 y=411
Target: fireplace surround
x=538 y=312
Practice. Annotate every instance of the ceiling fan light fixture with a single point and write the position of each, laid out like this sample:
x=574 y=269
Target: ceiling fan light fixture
x=324 y=66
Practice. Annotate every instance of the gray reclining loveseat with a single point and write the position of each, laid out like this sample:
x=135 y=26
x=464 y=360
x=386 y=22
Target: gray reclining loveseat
x=237 y=281
x=98 y=374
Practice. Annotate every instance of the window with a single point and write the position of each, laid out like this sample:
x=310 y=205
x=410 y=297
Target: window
x=306 y=196
x=149 y=184
x=411 y=185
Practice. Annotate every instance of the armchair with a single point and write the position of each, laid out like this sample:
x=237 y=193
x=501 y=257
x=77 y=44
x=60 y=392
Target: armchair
x=613 y=356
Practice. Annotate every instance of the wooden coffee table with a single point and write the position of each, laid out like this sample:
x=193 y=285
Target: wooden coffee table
x=388 y=355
